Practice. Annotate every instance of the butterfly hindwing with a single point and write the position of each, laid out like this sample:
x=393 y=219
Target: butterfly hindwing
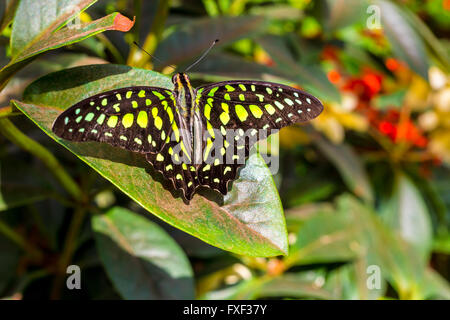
x=171 y=162
x=138 y=119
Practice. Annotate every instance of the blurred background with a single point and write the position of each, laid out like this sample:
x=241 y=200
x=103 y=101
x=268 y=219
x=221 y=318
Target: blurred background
x=365 y=186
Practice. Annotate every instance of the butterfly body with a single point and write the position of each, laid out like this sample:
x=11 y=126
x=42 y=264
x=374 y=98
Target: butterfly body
x=194 y=137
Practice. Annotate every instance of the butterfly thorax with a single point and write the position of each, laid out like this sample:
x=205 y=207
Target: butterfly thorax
x=189 y=116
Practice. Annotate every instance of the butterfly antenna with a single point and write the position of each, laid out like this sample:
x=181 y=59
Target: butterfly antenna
x=203 y=55
x=152 y=56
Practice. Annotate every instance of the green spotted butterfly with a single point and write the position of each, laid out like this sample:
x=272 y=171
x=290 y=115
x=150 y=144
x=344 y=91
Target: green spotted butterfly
x=194 y=137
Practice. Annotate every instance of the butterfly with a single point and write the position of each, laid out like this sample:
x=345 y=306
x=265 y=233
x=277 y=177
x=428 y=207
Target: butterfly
x=194 y=137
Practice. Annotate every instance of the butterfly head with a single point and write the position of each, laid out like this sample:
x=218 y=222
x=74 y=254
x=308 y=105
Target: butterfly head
x=184 y=91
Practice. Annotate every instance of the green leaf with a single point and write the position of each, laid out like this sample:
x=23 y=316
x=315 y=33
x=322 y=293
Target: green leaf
x=310 y=77
x=248 y=221
x=342 y=13
x=38 y=28
x=398 y=261
x=434 y=45
x=293 y=286
x=17 y=194
x=442 y=244
x=35 y=19
x=436 y=286
x=408 y=214
x=141 y=259
x=349 y=166
x=325 y=238
x=20 y=183
x=189 y=40
x=9 y=257
x=405 y=41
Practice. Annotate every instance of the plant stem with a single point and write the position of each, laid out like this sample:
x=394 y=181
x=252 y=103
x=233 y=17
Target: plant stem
x=70 y=245
x=11 y=132
x=154 y=36
x=17 y=238
x=8 y=112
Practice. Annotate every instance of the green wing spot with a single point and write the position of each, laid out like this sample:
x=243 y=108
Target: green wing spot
x=127 y=120
x=112 y=121
x=224 y=118
x=256 y=111
x=159 y=95
x=208 y=111
x=229 y=88
x=101 y=119
x=78 y=119
x=89 y=117
x=142 y=119
x=129 y=94
x=227 y=96
x=158 y=122
x=241 y=97
x=212 y=91
x=243 y=88
x=148 y=102
x=141 y=94
x=134 y=104
x=104 y=102
x=279 y=105
x=270 y=109
x=241 y=112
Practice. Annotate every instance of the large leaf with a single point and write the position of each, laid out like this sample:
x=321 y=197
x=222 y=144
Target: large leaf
x=349 y=166
x=342 y=13
x=399 y=262
x=293 y=286
x=190 y=39
x=405 y=42
x=141 y=259
x=354 y=234
x=38 y=28
x=407 y=213
x=325 y=238
x=20 y=182
x=249 y=220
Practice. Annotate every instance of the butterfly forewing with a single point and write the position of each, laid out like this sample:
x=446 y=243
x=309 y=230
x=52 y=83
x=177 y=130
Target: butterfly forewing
x=138 y=119
x=256 y=105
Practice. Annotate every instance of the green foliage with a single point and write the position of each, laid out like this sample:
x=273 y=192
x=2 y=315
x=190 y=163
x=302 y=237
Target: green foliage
x=364 y=189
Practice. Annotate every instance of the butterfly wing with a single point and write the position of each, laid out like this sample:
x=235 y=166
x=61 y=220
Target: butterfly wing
x=138 y=119
x=256 y=105
x=233 y=112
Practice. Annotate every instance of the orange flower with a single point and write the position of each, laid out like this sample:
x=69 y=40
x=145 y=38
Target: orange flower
x=334 y=76
x=392 y=64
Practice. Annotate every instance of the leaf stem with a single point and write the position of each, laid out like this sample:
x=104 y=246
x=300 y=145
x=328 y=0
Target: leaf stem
x=154 y=36
x=8 y=112
x=17 y=238
x=70 y=245
x=11 y=132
